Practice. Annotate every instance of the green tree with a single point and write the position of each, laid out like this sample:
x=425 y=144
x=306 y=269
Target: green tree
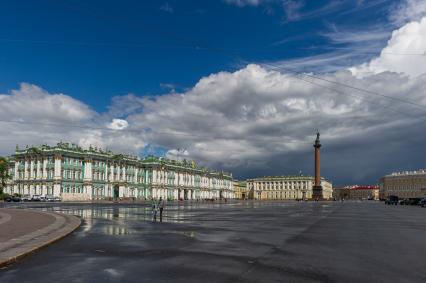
x=4 y=173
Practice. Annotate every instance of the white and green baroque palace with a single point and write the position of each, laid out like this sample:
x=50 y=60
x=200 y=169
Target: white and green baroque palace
x=76 y=174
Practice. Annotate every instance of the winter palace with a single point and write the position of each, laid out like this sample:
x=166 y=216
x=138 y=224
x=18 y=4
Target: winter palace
x=76 y=174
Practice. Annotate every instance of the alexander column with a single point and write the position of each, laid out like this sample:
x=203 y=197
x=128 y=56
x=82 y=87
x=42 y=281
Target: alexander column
x=317 y=189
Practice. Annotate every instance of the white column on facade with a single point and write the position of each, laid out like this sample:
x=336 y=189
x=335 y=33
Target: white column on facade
x=116 y=172
x=26 y=165
x=31 y=169
x=111 y=173
x=16 y=164
x=106 y=173
x=88 y=189
x=44 y=168
x=87 y=170
x=182 y=179
x=57 y=173
x=135 y=176
x=123 y=191
x=57 y=190
x=154 y=176
x=38 y=169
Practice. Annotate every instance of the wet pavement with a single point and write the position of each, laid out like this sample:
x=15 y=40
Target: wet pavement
x=241 y=241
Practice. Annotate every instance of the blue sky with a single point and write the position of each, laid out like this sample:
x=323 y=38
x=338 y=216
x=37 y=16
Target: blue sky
x=94 y=50
x=239 y=85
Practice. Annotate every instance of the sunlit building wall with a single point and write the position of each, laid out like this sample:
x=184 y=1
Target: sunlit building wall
x=74 y=174
x=240 y=188
x=286 y=187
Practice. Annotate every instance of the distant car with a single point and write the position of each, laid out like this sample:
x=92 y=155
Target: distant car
x=422 y=203
x=401 y=201
x=13 y=199
x=36 y=198
x=414 y=201
x=392 y=200
x=43 y=198
x=50 y=198
x=26 y=198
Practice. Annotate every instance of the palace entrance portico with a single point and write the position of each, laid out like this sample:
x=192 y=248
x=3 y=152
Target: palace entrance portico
x=185 y=194
x=116 y=192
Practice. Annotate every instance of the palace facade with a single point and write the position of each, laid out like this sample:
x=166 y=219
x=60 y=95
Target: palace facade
x=286 y=187
x=405 y=184
x=240 y=188
x=75 y=174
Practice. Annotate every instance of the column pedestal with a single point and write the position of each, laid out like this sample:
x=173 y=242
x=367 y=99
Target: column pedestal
x=317 y=193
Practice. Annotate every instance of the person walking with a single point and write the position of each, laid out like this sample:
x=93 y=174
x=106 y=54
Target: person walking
x=161 y=205
x=154 y=210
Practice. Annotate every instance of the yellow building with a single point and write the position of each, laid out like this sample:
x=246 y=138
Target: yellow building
x=405 y=184
x=240 y=189
x=364 y=192
x=286 y=187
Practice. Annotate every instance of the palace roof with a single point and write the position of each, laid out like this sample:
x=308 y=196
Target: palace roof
x=95 y=152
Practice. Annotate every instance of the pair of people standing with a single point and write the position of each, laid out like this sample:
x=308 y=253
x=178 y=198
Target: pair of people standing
x=157 y=205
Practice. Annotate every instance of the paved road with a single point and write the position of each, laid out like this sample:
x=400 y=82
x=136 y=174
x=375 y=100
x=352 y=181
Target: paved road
x=33 y=222
x=235 y=242
x=24 y=231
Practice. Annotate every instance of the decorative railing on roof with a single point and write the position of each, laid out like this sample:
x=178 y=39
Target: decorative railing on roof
x=408 y=173
x=189 y=164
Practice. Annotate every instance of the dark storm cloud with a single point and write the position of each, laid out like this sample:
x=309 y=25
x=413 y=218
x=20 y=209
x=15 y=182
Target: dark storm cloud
x=259 y=121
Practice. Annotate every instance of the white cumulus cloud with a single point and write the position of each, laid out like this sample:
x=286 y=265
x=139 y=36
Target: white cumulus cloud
x=118 y=124
x=405 y=52
x=254 y=121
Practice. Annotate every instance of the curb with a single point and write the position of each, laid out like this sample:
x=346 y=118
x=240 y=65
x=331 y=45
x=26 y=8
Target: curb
x=30 y=243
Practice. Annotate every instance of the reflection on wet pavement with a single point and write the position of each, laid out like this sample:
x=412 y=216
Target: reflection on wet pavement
x=246 y=241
